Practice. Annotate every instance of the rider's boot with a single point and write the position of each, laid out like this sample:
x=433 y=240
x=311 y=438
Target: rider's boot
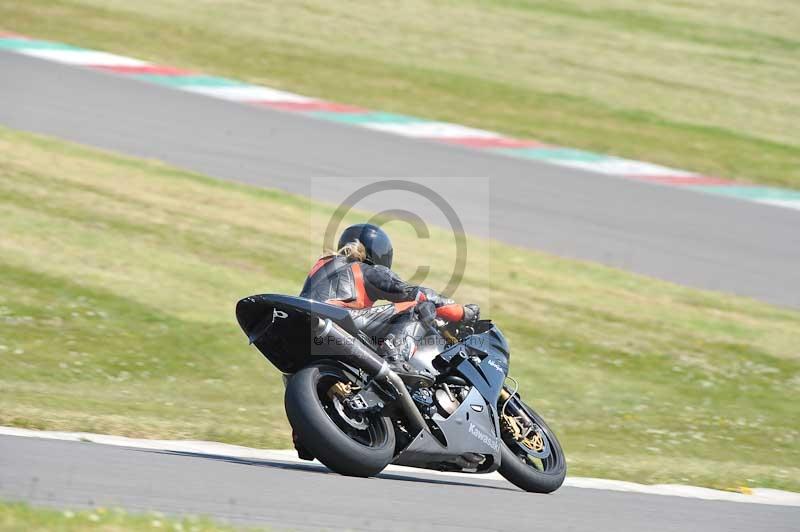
x=398 y=350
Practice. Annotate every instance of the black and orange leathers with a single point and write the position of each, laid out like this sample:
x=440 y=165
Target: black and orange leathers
x=357 y=285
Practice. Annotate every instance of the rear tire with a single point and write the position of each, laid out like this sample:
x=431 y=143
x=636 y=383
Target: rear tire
x=322 y=430
x=521 y=471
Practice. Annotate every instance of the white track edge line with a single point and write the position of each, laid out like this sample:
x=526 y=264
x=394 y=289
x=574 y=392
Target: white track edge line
x=758 y=495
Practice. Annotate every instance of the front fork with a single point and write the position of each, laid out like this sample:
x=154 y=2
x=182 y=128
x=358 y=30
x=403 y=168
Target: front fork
x=516 y=422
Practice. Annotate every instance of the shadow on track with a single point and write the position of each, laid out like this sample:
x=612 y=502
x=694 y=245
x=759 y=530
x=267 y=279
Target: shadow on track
x=313 y=467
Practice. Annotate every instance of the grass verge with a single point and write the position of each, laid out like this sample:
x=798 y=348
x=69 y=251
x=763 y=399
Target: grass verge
x=24 y=518
x=706 y=87
x=118 y=279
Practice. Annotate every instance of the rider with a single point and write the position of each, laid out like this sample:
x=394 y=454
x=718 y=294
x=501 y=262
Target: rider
x=359 y=274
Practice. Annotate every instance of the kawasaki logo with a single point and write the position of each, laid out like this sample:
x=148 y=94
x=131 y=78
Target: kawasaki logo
x=485 y=438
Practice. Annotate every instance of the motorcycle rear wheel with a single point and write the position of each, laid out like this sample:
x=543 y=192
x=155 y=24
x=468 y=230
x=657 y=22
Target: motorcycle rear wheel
x=358 y=447
x=530 y=474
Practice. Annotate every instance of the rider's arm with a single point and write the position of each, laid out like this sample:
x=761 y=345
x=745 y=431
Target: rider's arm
x=383 y=283
x=449 y=310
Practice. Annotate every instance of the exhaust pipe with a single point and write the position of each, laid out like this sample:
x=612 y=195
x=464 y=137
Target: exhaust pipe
x=344 y=346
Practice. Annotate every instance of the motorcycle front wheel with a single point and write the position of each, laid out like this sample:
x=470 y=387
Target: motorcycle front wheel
x=531 y=459
x=358 y=446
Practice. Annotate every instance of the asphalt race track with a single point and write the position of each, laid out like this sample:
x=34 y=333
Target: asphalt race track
x=307 y=497
x=690 y=238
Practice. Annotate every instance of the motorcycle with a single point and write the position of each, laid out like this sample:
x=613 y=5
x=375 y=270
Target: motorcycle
x=352 y=412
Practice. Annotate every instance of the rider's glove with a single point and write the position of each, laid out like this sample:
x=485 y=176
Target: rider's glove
x=472 y=313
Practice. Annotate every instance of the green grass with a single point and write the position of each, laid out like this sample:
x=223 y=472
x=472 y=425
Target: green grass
x=18 y=517
x=118 y=279
x=710 y=87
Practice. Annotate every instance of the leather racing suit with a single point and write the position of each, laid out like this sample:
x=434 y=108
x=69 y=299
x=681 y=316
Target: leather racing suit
x=357 y=285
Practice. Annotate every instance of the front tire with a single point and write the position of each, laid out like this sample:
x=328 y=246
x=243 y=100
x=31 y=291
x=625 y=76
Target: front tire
x=358 y=448
x=532 y=474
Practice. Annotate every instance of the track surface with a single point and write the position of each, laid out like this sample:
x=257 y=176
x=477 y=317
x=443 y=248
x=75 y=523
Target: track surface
x=674 y=234
x=284 y=495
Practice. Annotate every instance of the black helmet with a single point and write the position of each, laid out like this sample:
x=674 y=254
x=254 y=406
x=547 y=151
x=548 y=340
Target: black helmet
x=375 y=240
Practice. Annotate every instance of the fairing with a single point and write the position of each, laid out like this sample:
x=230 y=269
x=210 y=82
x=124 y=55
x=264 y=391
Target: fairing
x=280 y=326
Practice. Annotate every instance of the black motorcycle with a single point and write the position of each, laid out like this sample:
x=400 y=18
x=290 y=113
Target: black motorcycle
x=352 y=412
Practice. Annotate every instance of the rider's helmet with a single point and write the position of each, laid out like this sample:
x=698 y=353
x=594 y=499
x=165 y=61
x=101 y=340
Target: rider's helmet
x=375 y=240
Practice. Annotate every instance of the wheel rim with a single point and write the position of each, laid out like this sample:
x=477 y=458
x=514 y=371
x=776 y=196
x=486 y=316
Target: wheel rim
x=546 y=457
x=368 y=431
